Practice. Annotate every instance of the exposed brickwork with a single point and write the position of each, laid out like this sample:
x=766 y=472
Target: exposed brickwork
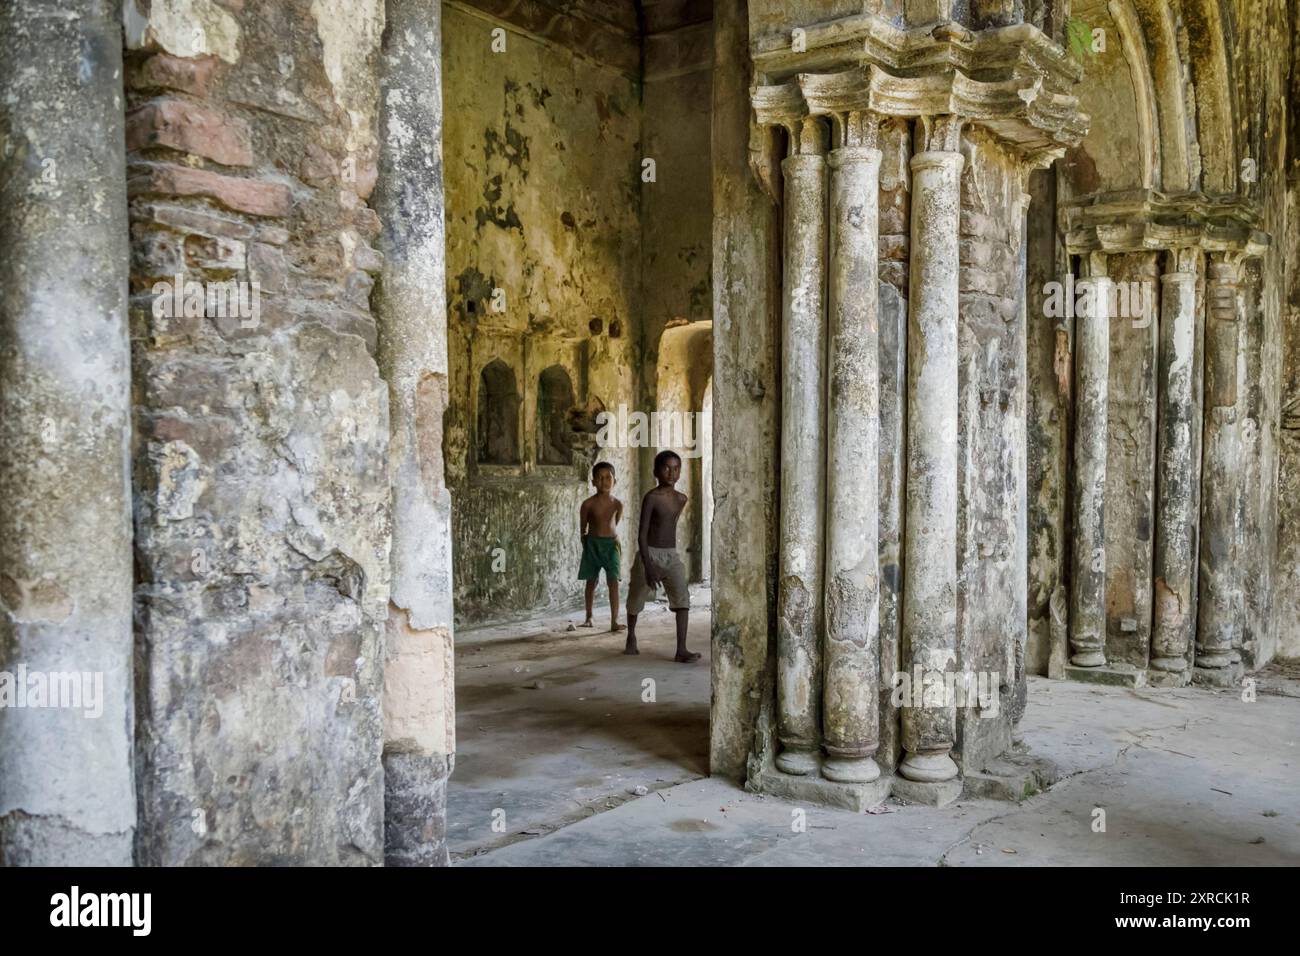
x=260 y=454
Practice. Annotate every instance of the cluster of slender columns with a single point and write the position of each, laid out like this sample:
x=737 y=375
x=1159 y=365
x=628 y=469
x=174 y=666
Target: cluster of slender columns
x=1199 y=492
x=828 y=599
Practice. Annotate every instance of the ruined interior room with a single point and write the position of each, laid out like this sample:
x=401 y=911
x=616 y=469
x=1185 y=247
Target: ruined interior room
x=972 y=326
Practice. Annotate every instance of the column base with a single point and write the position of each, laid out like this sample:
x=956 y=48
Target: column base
x=415 y=809
x=1117 y=675
x=1227 y=676
x=1168 y=664
x=1169 y=678
x=1088 y=659
x=928 y=768
x=857 y=797
x=799 y=763
x=850 y=769
x=938 y=793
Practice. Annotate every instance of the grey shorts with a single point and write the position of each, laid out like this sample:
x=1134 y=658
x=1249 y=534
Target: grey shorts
x=668 y=563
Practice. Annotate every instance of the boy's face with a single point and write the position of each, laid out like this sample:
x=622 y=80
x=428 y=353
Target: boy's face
x=604 y=481
x=670 y=471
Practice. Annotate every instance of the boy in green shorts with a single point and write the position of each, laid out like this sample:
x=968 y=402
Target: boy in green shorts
x=598 y=518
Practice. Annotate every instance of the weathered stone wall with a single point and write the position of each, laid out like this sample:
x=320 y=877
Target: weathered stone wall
x=1265 y=30
x=543 y=193
x=991 y=618
x=1286 y=609
x=746 y=336
x=1050 y=403
x=260 y=444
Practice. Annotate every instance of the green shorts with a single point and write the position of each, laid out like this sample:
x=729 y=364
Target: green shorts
x=599 y=554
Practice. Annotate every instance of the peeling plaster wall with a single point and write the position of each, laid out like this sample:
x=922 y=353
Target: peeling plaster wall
x=260 y=444
x=543 y=184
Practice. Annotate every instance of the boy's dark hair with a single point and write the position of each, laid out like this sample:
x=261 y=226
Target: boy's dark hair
x=663 y=456
x=602 y=466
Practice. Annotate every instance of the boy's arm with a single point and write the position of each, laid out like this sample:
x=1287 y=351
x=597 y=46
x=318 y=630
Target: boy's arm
x=584 y=518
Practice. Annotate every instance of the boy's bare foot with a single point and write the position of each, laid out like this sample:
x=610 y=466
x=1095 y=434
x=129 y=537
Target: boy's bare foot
x=587 y=623
x=615 y=628
x=686 y=657
x=631 y=648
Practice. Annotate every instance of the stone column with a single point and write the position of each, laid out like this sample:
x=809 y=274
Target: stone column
x=1092 y=372
x=803 y=450
x=410 y=305
x=67 y=794
x=851 y=710
x=1178 y=473
x=930 y=551
x=1221 y=604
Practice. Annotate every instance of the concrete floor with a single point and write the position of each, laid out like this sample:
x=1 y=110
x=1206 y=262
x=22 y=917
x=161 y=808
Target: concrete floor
x=583 y=741
x=1185 y=777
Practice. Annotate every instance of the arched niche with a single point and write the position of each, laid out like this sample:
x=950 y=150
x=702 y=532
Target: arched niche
x=554 y=405
x=498 y=415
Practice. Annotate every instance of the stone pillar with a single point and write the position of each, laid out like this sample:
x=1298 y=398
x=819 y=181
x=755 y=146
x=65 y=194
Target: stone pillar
x=746 y=343
x=851 y=710
x=803 y=450
x=1092 y=371
x=1178 y=474
x=410 y=305
x=67 y=794
x=930 y=551
x=1221 y=605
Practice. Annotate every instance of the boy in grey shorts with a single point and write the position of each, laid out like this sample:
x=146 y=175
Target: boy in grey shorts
x=657 y=559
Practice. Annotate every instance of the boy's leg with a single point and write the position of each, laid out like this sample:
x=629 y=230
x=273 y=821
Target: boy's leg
x=591 y=596
x=683 y=655
x=679 y=599
x=637 y=591
x=614 y=626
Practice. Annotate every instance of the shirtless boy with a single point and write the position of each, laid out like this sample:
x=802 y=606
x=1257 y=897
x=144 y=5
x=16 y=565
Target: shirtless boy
x=657 y=559
x=598 y=518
